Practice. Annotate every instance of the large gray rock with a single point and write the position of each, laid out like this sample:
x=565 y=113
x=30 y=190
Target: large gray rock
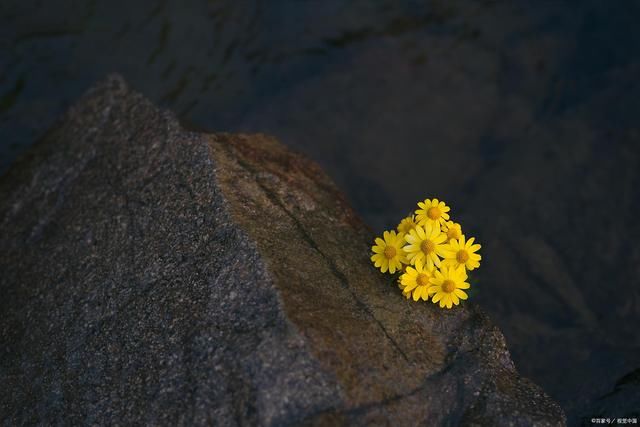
x=158 y=276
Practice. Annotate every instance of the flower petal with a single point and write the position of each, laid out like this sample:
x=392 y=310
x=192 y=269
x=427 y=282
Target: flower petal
x=461 y=294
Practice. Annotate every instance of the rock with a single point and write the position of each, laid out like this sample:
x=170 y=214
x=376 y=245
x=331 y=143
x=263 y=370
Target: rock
x=540 y=165
x=160 y=276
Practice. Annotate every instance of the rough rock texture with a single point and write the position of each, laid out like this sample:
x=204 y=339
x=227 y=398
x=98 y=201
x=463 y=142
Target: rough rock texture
x=154 y=275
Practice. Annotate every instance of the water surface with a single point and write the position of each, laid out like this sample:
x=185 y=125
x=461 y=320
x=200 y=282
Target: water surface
x=522 y=115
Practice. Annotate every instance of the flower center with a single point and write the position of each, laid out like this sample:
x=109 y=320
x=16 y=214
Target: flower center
x=448 y=286
x=462 y=256
x=390 y=252
x=427 y=246
x=422 y=279
x=453 y=233
x=433 y=213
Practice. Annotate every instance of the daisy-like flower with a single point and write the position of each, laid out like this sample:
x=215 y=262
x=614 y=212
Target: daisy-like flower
x=407 y=224
x=460 y=253
x=415 y=282
x=405 y=293
x=425 y=244
x=452 y=229
x=432 y=211
x=388 y=254
x=447 y=286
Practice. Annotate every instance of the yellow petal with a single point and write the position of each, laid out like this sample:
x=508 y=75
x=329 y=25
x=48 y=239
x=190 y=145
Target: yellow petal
x=439 y=238
x=410 y=286
x=429 y=263
x=461 y=294
x=410 y=238
x=435 y=259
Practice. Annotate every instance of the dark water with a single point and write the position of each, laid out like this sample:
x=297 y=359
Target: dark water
x=522 y=115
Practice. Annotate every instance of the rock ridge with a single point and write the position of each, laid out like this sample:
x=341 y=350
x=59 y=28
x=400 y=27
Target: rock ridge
x=160 y=276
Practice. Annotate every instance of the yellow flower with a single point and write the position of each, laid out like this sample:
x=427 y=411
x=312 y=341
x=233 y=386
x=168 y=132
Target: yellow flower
x=432 y=212
x=447 y=286
x=460 y=253
x=452 y=229
x=430 y=254
x=388 y=254
x=407 y=224
x=425 y=244
x=415 y=282
x=406 y=294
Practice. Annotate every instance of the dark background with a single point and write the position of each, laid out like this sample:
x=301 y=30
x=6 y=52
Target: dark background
x=522 y=115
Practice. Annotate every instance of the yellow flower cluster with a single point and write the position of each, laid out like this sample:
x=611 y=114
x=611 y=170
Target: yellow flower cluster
x=431 y=253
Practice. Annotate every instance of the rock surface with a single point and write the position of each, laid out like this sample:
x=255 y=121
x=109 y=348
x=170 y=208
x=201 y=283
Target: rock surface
x=160 y=276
